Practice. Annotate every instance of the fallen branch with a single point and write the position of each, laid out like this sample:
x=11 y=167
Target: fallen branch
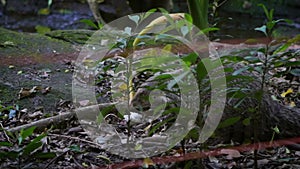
x=58 y=119
x=201 y=154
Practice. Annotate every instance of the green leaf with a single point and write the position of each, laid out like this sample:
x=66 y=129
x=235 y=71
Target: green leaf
x=138 y=147
x=44 y=11
x=295 y=72
x=258 y=95
x=239 y=71
x=207 y=30
x=266 y=11
x=236 y=93
x=104 y=158
x=276 y=130
x=252 y=59
x=201 y=69
x=288 y=21
x=6 y=144
x=17 y=107
x=233 y=59
x=190 y=58
x=282 y=48
x=75 y=148
x=49 y=3
x=188 y=18
x=89 y=23
x=6 y=108
x=149 y=13
x=25 y=133
x=271 y=13
x=262 y=50
x=188 y=165
x=39 y=138
x=283 y=20
x=163 y=76
x=162 y=10
x=193 y=134
x=32 y=146
x=184 y=30
x=270 y=25
x=100 y=25
x=239 y=103
x=42 y=29
x=229 y=122
x=127 y=30
x=134 y=18
x=296 y=63
x=10 y=154
x=259 y=69
x=262 y=29
x=247 y=121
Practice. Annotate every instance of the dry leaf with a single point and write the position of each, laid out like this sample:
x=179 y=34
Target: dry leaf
x=84 y=102
x=24 y=93
x=46 y=90
x=290 y=90
x=156 y=22
x=230 y=153
x=35 y=114
x=123 y=87
x=147 y=162
x=292 y=104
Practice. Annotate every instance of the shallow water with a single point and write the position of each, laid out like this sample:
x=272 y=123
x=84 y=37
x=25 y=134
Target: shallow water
x=67 y=15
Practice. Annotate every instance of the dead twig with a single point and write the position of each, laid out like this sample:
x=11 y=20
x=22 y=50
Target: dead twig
x=55 y=120
x=54 y=159
x=75 y=138
x=5 y=133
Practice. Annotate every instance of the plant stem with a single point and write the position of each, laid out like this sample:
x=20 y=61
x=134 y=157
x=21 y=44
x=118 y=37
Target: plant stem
x=258 y=113
x=130 y=93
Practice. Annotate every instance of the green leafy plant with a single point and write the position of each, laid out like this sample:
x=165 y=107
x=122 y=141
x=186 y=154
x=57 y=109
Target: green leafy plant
x=273 y=55
x=92 y=24
x=24 y=146
x=275 y=131
x=42 y=29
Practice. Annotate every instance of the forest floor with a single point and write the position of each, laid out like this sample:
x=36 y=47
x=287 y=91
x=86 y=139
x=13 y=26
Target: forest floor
x=36 y=83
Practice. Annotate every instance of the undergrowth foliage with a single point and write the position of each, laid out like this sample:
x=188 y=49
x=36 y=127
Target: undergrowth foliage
x=23 y=147
x=257 y=63
x=263 y=63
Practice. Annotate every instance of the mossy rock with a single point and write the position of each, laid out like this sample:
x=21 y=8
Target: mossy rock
x=22 y=44
x=72 y=36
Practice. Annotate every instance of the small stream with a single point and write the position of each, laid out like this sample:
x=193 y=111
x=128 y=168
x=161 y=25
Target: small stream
x=23 y=17
x=63 y=15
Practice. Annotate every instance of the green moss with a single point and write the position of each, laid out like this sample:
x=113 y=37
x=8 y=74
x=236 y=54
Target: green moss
x=72 y=36
x=20 y=44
